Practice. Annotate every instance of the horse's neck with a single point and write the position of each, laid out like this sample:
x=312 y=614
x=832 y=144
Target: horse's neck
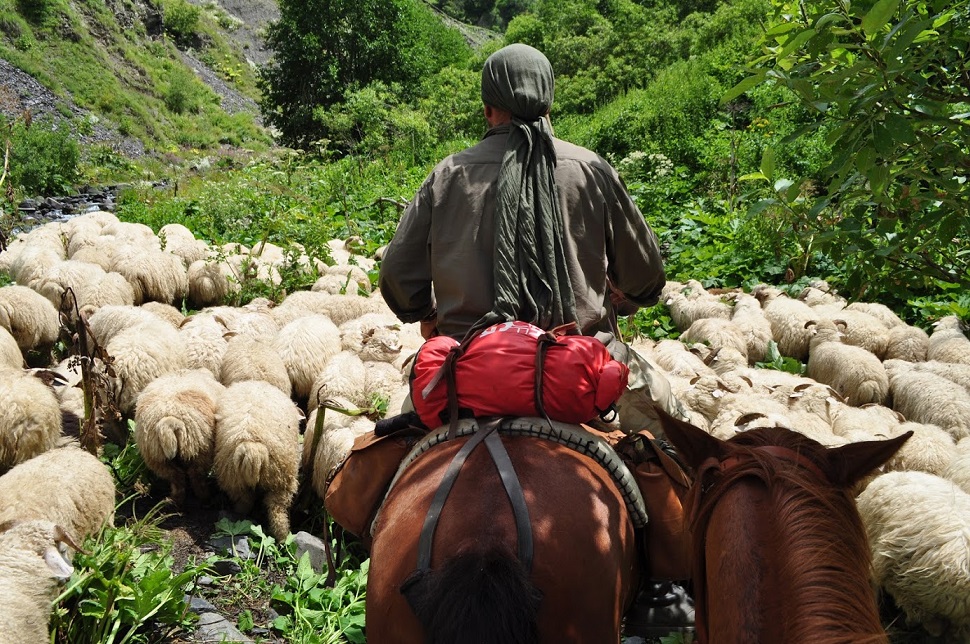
x=742 y=587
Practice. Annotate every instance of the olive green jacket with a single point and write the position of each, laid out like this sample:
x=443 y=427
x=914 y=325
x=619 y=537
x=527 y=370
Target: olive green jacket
x=442 y=253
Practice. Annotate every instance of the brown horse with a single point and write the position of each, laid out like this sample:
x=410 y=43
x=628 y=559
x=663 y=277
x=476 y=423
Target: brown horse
x=779 y=551
x=477 y=591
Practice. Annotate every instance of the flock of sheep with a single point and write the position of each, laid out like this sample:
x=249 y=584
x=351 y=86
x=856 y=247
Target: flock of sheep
x=229 y=395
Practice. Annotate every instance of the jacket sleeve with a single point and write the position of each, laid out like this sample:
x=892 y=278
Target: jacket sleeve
x=405 y=274
x=634 y=264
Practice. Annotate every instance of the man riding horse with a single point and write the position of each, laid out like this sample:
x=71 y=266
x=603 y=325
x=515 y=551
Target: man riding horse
x=525 y=226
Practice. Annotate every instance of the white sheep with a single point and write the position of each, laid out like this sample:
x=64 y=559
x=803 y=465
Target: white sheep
x=210 y=283
x=31 y=419
x=153 y=274
x=958 y=469
x=142 y=353
x=50 y=236
x=306 y=345
x=109 y=321
x=34 y=560
x=717 y=333
x=175 y=420
x=787 y=317
x=956 y=372
x=10 y=354
x=695 y=303
x=906 y=342
x=166 y=312
x=66 y=485
x=856 y=374
x=29 y=317
x=361 y=382
x=815 y=295
x=258 y=450
x=338 y=436
x=32 y=263
x=129 y=233
x=918 y=526
x=91 y=285
x=948 y=343
x=252 y=358
x=880 y=311
x=339 y=308
x=203 y=343
x=674 y=358
x=748 y=316
x=928 y=398
x=373 y=336
x=930 y=449
x=254 y=319
x=180 y=241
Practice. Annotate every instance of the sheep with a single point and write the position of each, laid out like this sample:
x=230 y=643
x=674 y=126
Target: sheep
x=818 y=295
x=342 y=253
x=203 y=342
x=930 y=449
x=787 y=318
x=257 y=447
x=306 y=345
x=109 y=321
x=373 y=336
x=700 y=394
x=252 y=358
x=717 y=333
x=175 y=419
x=872 y=418
x=674 y=358
x=879 y=311
x=49 y=237
x=958 y=469
x=141 y=354
x=97 y=250
x=918 y=526
x=361 y=382
x=166 y=312
x=907 y=342
x=153 y=274
x=948 y=342
x=126 y=233
x=687 y=308
x=34 y=560
x=955 y=372
x=210 y=283
x=331 y=284
x=66 y=485
x=32 y=263
x=180 y=241
x=29 y=317
x=348 y=275
x=338 y=435
x=339 y=308
x=79 y=276
x=748 y=316
x=31 y=419
x=10 y=354
x=853 y=372
x=253 y=319
x=928 y=398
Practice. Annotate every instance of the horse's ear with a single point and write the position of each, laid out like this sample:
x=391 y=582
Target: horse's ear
x=847 y=465
x=693 y=444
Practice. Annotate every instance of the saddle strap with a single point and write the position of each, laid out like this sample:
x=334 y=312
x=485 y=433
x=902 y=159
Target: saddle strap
x=444 y=489
x=513 y=488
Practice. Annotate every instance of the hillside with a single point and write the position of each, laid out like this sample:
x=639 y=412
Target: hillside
x=137 y=75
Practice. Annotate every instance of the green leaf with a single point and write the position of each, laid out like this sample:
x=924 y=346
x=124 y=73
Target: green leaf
x=879 y=15
x=743 y=86
x=768 y=164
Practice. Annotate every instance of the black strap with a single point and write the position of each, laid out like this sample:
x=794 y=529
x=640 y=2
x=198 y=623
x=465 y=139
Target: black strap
x=444 y=489
x=513 y=488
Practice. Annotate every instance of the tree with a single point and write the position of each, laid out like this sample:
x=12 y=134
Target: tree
x=327 y=49
x=891 y=82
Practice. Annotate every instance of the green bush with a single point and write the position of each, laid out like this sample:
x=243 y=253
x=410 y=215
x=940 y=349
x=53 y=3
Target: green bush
x=181 y=20
x=44 y=157
x=183 y=93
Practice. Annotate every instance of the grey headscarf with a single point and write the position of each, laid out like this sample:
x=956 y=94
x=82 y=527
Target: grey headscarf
x=531 y=279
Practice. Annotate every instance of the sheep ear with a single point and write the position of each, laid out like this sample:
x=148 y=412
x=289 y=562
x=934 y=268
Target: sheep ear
x=57 y=562
x=693 y=443
x=847 y=465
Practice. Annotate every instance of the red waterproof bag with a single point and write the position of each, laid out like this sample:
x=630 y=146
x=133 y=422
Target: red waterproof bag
x=498 y=372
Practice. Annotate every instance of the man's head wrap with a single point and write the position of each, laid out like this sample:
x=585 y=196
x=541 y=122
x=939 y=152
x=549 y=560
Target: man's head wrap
x=531 y=278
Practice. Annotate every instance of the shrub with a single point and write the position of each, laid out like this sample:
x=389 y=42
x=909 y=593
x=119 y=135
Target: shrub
x=181 y=20
x=44 y=157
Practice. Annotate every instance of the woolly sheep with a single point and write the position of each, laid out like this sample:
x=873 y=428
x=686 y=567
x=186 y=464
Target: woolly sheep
x=109 y=321
x=856 y=374
x=128 y=233
x=349 y=275
x=66 y=485
x=10 y=354
x=863 y=330
x=31 y=419
x=815 y=296
x=342 y=253
x=338 y=436
x=928 y=398
x=32 y=263
x=166 y=312
x=34 y=560
x=872 y=418
x=907 y=342
x=49 y=237
x=373 y=336
x=97 y=250
x=787 y=318
x=332 y=284
x=141 y=354
x=210 y=282
x=203 y=342
x=153 y=274
x=339 y=308
x=717 y=333
x=929 y=449
x=958 y=469
x=361 y=382
x=29 y=317
x=252 y=358
x=175 y=420
x=879 y=311
x=948 y=342
x=953 y=371
x=306 y=345
x=748 y=316
x=918 y=526
x=258 y=449
x=674 y=358
x=685 y=309
x=180 y=241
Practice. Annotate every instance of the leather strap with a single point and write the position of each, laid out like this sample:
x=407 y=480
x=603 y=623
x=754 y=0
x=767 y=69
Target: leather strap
x=441 y=495
x=513 y=488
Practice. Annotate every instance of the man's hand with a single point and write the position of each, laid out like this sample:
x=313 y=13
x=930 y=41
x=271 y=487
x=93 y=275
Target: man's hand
x=429 y=325
x=621 y=305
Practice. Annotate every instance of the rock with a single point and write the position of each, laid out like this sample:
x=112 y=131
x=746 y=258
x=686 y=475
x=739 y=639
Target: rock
x=216 y=628
x=306 y=542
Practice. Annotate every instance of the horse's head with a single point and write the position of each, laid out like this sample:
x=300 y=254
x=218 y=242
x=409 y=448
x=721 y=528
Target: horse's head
x=842 y=466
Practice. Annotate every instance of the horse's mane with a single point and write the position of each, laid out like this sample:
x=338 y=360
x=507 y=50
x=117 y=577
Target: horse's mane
x=822 y=541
